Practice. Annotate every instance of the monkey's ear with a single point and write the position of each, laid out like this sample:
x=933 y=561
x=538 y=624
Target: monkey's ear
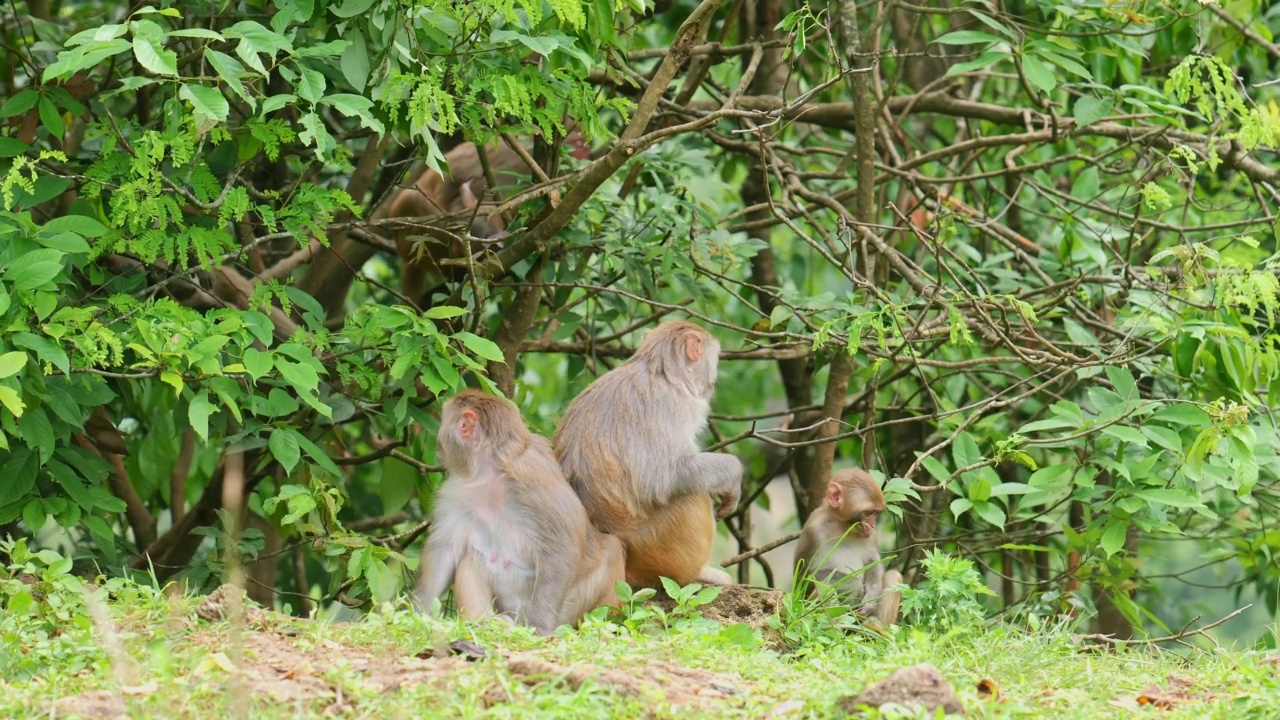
x=467 y=423
x=693 y=347
x=835 y=495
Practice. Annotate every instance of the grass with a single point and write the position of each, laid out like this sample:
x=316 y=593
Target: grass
x=147 y=653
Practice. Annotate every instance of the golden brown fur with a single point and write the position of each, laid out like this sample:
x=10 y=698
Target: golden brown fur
x=628 y=444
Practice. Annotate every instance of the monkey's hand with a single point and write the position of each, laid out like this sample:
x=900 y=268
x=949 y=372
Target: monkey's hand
x=728 y=503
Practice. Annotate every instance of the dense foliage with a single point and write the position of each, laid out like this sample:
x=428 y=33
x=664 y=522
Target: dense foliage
x=1017 y=257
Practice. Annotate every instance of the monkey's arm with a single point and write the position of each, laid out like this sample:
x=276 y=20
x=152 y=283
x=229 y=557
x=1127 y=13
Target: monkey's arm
x=560 y=540
x=872 y=585
x=435 y=571
x=716 y=474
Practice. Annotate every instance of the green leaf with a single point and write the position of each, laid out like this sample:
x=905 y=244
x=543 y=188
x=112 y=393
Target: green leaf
x=44 y=349
x=355 y=60
x=543 y=45
x=991 y=23
x=198 y=414
x=351 y=8
x=1114 y=536
x=20 y=103
x=397 y=483
x=982 y=62
x=12 y=401
x=19 y=473
x=1122 y=380
x=198 y=33
x=1126 y=433
x=37 y=430
x=355 y=106
x=979 y=491
x=967 y=37
x=51 y=119
x=315 y=453
x=206 y=101
x=740 y=635
x=444 y=312
x=482 y=348
x=102 y=33
x=72 y=61
x=254 y=40
x=257 y=362
x=34 y=269
x=310 y=85
x=151 y=54
x=1038 y=74
x=12 y=147
x=82 y=225
x=230 y=70
x=1048 y=424
x=1065 y=63
x=1087 y=184
x=11 y=363
x=1164 y=437
x=1170 y=497
x=326 y=49
x=1051 y=477
x=990 y=512
x=72 y=484
x=1182 y=413
x=284 y=447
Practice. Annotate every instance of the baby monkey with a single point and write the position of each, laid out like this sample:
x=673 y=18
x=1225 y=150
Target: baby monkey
x=839 y=540
x=507 y=530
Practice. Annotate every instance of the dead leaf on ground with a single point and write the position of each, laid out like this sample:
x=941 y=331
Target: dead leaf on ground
x=467 y=649
x=1176 y=691
x=145 y=689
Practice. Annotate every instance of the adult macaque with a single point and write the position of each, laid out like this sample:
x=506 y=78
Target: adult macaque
x=839 y=540
x=466 y=186
x=629 y=446
x=507 y=530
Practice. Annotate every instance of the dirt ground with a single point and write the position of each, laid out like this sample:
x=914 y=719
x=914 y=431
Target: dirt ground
x=270 y=663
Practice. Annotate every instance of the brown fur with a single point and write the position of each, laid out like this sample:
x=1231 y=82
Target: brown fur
x=628 y=444
x=840 y=538
x=507 y=530
x=461 y=193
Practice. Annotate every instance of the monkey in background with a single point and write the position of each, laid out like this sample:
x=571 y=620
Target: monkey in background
x=629 y=446
x=434 y=194
x=507 y=530
x=839 y=539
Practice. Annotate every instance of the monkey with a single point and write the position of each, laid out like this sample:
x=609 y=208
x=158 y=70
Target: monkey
x=629 y=446
x=839 y=539
x=507 y=530
x=433 y=194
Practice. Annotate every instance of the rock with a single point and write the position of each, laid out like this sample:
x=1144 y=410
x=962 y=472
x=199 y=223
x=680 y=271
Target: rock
x=911 y=687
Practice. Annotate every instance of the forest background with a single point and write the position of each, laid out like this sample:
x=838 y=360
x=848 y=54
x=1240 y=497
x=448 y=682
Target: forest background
x=1018 y=258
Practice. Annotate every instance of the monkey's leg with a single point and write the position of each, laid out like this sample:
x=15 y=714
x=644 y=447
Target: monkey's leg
x=887 y=606
x=471 y=589
x=712 y=576
x=675 y=542
x=604 y=566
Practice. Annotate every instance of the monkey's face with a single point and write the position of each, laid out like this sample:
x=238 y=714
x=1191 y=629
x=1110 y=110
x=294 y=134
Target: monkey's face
x=864 y=524
x=708 y=366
